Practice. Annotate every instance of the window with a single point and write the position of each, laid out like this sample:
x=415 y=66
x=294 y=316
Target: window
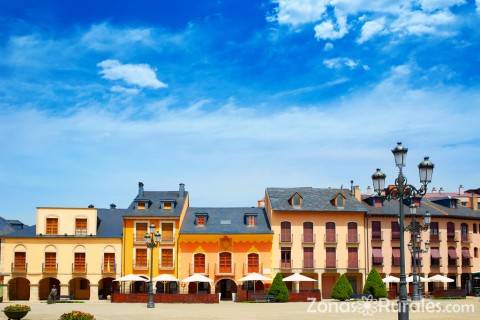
x=466 y=257
x=51 y=226
x=464 y=231
x=308 y=232
x=434 y=233
x=474 y=228
x=20 y=261
x=253 y=263
x=435 y=257
x=340 y=201
x=475 y=252
x=201 y=220
x=353 y=258
x=167 y=232
x=225 y=262
x=452 y=257
x=167 y=205
x=450 y=231
x=395 y=230
x=141 y=258
x=167 y=258
x=81 y=227
x=331 y=261
x=79 y=262
x=141 y=205
x=251 y=220
x=140 y=229
x=330 y=235
x=296 y=200
x=285 y=231
x=377 y=256
x=395 y=256
x=199 y=263
x=352 y=236
x=50 y=261
x=376 y=230
x=308 y=261
x=285 y=258
x=109 y=262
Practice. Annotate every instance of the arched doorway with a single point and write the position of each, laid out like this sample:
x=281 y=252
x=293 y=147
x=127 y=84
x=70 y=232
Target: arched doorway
x=226 y=287
x=106 y=287
x=79 y=289
x=19 y=289
x=45 y=286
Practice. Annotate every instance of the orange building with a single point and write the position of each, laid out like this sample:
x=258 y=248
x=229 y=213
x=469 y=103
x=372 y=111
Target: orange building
x=224 y=244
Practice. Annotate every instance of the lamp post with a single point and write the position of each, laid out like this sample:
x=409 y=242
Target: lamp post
x=414 y=246
x=402 y=191
x=152 y=240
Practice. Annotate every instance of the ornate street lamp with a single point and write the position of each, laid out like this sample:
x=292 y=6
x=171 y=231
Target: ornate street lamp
x=414 y=246
x=402 y=191
x=152 y=240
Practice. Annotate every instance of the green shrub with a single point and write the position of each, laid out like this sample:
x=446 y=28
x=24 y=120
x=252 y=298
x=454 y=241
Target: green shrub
x=17 y=308
x=343 y=289
x=374 y=285
x=278 y=289
x=77 y=315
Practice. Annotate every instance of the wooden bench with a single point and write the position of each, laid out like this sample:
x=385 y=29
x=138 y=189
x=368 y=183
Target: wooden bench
x=262 y=297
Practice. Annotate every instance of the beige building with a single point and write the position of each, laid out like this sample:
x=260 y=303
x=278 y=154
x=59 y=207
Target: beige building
x=77 y=250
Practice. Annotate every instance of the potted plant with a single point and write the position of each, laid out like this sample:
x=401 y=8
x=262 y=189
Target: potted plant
x=77 y=315
x=16 y=311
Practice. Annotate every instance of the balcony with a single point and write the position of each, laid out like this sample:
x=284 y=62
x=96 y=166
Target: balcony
x=109 y=268
x=466 y=238
x=50 y=268
x=435 y=264
x=79 y=268
x=308 y=239
x=377 y=236
x=141 y=265
x=225 y=270
x=166 y=265
x=452 y=237
x=353 y=239
x=330 y=239
x=252 y=268
x=354 y=265
x=286 y=264
x=202 y=269
x=467 y=263
x=453 y=263
x=435 y=238
x=308 y=264
x=81 y=232
x=19 y=267
x=395 y=236
x=285 y=239
x=378 y=262
x=332 y=265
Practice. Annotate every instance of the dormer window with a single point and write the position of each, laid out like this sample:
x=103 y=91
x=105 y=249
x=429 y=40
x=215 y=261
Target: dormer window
x=167 y=205
x=250 y=220
x=339 y=201
x=141 y=205
x=296 y=200
x=201 y=220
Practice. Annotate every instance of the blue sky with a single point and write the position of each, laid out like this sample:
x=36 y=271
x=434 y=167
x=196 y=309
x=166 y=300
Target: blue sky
x=230 y=97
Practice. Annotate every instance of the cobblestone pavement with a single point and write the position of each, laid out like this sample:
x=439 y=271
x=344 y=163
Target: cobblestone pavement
x=449 y=310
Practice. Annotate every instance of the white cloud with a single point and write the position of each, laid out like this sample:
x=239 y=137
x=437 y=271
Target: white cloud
x=107 y=37
x=125 y=90
x=340 y=62
x=141 y=75
x=370 y=29
x=299 y=12
x=328 y=46
x=328 y=30
x=432 y=5
x=478 y=5
x=420 y=23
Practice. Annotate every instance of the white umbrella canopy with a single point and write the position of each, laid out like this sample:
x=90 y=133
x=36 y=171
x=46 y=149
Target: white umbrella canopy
x=297 y=277
x=421 y=279
x=391 y=279
x=254 y=277
x=197 y=277
x=165 y=278
x=131 y=277
x=439 y=278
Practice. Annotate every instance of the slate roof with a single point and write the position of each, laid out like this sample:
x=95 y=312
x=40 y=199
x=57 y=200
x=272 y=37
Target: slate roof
x=218 y=218
x=436 y=210
x=8 y=226
x=155 y=198
x=314 y=199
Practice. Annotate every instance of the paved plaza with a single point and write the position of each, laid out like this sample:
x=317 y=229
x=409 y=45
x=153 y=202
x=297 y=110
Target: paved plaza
x=242 y=311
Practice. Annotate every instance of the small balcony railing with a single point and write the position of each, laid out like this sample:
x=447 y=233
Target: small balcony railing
x=395 y=236
x=225 y=269
x=353 y=239
x=285 y=239
x=50 y=268
x=353 y=265
x=202 y=269
x=109 y=268
x=286 y=264
x=258 y=268
x=435 y=263
x=452 y=263
x=452 y=237
x=19 y=267
x=140 y=265
x=331 y=264
x=466 y=238
x=79 y=268
x=81 y=232
x=330 y=238
x=308 y=264
x=377 y=235
x=308 y=238
x=467 y=263
x=435 y=237
x=168 y=239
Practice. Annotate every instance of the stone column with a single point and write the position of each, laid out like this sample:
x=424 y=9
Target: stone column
x=459 y=280
x=319 y=283
x=64 y=289
x=34 y=292
x=4 y=289
x=94 y=293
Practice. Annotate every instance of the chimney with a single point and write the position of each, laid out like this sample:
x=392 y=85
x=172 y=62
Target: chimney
x=461 y=189
x=356 y=193
x=261 y=203
x=474 y=201
x=351 y=187
x=181 y=190
x=113 y=206
x=90 y=206
x=140 y=189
